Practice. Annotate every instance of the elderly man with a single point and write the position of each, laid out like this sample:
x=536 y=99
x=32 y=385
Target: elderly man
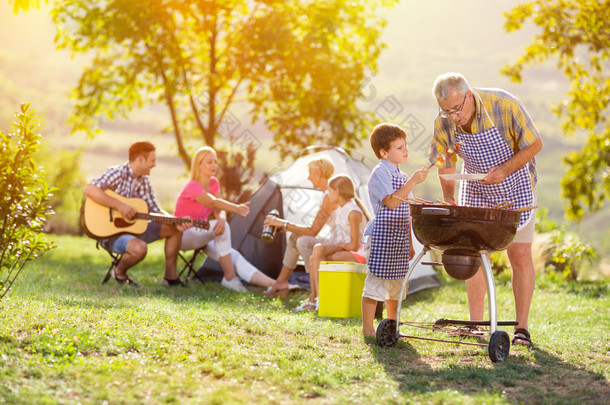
x=494 y=135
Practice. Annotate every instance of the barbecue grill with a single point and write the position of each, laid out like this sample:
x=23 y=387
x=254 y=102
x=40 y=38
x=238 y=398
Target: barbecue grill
x=465 y=235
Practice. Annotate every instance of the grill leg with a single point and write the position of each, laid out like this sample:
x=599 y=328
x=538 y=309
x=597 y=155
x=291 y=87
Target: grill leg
x=404 y=285
x=491 y=293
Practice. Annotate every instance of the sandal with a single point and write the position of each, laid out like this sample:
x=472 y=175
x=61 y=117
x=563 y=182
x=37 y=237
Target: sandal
x=521 y=337
x=121 y=281
x=306 y=305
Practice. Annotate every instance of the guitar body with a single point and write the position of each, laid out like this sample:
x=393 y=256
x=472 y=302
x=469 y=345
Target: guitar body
x=101 y=222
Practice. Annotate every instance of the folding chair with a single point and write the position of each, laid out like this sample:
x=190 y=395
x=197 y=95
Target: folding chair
x=189 y=265
x=115 y=259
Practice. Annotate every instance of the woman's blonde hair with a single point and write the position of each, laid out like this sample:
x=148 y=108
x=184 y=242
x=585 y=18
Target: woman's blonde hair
x=197 y=158
x=345 y=186
x=324 y=165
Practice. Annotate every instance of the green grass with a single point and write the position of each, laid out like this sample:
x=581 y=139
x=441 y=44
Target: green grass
x=64 y=338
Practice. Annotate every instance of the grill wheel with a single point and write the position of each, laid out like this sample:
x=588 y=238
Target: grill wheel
x=499 y=346
x=386 y=333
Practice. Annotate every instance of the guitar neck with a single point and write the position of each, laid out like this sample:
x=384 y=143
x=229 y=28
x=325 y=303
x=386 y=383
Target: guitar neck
x=166 y=219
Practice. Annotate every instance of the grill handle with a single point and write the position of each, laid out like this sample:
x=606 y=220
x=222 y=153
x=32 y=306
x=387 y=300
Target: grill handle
x=436 y=211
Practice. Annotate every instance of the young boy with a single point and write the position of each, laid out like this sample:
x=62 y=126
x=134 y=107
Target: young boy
x=390 y=232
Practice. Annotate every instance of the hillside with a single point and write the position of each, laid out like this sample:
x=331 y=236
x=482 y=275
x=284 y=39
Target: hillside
x=423 y=40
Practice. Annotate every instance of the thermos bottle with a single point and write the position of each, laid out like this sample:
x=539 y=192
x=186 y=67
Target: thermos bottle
x=269 y=231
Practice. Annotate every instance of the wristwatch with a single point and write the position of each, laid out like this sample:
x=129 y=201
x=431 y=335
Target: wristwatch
x=286 y=225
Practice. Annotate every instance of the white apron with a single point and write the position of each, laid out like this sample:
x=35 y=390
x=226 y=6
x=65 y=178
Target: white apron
x=389 y=254
x=482 y=151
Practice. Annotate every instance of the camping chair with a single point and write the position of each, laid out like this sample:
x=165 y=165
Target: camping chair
x=116 y=257
x=189 y=265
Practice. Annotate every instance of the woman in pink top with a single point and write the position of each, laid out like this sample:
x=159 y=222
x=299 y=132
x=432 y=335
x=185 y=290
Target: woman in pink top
x=198 y=199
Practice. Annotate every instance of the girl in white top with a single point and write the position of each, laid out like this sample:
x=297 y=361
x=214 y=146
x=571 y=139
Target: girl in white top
x=345 y=240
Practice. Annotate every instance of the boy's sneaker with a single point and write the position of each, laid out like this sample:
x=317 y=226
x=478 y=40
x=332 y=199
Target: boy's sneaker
x=173 y=283
x=233 y=284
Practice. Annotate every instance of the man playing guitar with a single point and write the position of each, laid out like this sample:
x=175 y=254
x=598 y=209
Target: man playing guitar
x=131 y=180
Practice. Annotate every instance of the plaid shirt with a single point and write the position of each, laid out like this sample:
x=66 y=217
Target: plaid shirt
x=508 y=115
x=120 y=179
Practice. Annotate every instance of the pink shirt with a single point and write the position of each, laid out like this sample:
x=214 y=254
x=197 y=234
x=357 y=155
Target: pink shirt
x=187 y=206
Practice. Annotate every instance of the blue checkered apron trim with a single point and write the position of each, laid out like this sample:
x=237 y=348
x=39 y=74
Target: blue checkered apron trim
x=389 y=254
x=481 y=152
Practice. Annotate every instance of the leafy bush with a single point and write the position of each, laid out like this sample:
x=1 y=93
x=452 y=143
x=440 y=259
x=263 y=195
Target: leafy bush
x=24 y=199
x=569 y=254
x=555 y=250
x=566 y=252
x=499 y=262
x=543 y=223
x=65 y=174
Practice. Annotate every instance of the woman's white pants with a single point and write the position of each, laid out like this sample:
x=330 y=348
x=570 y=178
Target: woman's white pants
x=217 y=247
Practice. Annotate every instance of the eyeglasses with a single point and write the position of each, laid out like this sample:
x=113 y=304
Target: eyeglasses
x=448 y=114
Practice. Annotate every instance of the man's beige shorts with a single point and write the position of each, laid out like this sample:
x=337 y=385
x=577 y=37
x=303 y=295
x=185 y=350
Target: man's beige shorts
x=526 y=235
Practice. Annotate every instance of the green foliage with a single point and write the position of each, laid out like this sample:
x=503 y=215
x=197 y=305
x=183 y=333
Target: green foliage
x=24 y=197
x=24 y=5
x=577 y=33
x=298 y=65
x=586 y=184
x=543 y=223
x=499 y=262
x=64 y=173
x=569 y=254
x=563 y=252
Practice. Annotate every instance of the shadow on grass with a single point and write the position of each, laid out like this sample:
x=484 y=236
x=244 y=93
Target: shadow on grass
x=529 y=375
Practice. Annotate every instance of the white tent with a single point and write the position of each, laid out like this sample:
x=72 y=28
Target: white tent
x=292 y=194
x=301 y=202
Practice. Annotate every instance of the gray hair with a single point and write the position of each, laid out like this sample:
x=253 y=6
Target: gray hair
x=447 y=81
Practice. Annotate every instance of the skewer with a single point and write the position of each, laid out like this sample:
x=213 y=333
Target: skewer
x=533 y=207
x=503 y=205
x=415 y=200
x=500 y=204
x=448 y=153
x=442 y=202
x=402 y=199
x=422 y=201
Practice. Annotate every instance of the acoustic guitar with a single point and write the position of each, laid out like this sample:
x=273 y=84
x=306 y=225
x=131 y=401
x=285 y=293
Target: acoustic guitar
x=101 y=222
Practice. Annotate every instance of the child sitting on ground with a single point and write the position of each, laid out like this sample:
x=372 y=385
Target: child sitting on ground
x=389 y=231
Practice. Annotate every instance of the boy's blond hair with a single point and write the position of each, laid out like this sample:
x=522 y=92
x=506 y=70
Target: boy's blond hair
x=383 y=135
x=324 y=166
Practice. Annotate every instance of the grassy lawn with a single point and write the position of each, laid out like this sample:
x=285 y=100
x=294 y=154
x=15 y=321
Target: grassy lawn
x=65 y=338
